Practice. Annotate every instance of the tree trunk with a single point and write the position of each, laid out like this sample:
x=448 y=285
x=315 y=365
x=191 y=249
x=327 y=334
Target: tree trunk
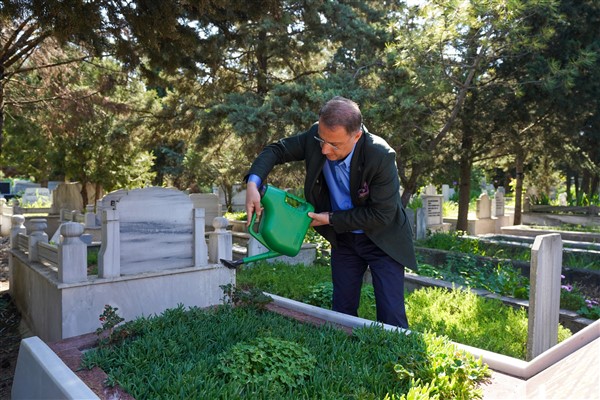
x=409 y=186
x=97 y=192
x=1 y=107
x=586 y=184
x=84 y=194
x=568 y=185
x=519 y=161
x=466 y=160
x=594 y=186
x=577 y=189
x=464 y=195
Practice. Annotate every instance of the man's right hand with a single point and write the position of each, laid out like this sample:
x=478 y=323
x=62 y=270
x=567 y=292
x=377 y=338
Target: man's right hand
x=252 y=202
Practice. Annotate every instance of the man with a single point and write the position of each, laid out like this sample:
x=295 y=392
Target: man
x=352 y=181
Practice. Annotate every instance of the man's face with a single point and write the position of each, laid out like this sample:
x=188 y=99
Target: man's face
x=335 y=142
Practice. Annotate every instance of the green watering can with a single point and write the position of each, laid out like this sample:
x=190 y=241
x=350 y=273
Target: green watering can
x=282 y=226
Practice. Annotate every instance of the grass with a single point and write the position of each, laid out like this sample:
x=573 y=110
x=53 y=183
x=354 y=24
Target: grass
x=461 y=315
x=456 y=242
x=568 y=228
x=244 y=352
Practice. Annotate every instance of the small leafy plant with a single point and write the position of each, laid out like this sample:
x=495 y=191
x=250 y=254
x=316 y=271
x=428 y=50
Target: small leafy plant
x=252 y=298
x=323 y=247
x=280 y=363
x=321 y=295
x=109 y=320
x=445 y=377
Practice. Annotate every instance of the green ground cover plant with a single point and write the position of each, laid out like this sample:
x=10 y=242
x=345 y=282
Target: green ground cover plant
x=459 y=314
x=455 y=241
x=569 y=228
x=504 y=279
x=246 y=352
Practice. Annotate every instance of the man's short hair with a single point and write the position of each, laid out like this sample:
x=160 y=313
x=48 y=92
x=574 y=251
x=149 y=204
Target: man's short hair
x=340 y=111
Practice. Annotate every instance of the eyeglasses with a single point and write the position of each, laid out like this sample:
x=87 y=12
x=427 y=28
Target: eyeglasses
x=333 y=146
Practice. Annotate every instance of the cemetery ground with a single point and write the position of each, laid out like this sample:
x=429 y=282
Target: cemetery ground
x=10 y=327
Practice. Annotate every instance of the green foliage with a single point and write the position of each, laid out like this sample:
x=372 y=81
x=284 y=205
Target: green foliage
x=249 y=298
x=276 y=362
x=590 y=310
x=415 y=203
x=321 y=295
x=236 y=216
x=455 y=241
x=226 y=352
x=109 y=320
x=450 y=208
x=323 y=249
x=444 y=376
x=293 y=281
x=466 y=270
x=425 y=310
x=467 y=318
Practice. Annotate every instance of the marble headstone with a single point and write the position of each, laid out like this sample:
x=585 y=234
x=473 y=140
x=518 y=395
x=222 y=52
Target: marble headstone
x=155 y=228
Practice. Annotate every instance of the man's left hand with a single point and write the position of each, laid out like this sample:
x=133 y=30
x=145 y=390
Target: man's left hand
x=319 y=218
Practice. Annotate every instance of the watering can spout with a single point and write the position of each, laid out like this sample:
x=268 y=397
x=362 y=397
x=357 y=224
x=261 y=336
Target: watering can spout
x=282 y=226
x=231 y=263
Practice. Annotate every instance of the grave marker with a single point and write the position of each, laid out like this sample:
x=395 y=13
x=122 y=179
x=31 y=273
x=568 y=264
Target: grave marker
x=33 y=195
x=498 y=204
x=544 y=294
x=155 y=230
x=484 y=207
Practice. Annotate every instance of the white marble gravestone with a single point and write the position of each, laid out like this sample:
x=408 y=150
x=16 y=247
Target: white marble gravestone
x=562 y=199
x=155 y=228
x=430 y=190
x=484 y=207
x=498 y=204
x=33 y=195
x=211 y=205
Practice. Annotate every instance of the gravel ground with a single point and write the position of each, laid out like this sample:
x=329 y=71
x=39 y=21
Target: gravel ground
x=10 y=332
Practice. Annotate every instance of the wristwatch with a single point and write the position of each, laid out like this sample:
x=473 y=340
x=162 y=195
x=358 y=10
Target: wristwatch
x=330 y=216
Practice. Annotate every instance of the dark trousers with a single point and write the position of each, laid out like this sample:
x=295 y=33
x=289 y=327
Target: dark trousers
x=348 y=264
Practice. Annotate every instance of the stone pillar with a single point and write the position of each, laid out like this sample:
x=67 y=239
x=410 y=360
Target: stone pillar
x=98 y=213
x=421 y=223
x=2 y=204
x=544 y=294
x=90 y=216
x=200 y=248
x=72 y=254
x=18 y=226
x=62 y=215
x=37 y=234
x=220 y=242
x=109 y=257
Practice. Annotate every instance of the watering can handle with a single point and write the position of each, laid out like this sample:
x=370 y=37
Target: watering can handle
x=298 y=199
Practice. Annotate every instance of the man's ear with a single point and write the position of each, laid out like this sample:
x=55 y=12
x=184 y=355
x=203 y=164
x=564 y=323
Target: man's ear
x=358 y=135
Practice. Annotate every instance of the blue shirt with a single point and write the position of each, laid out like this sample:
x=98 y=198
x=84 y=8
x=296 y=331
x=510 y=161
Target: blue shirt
x=337 y=176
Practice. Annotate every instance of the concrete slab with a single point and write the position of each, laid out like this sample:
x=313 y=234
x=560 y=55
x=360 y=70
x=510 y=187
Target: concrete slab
x=41 y=374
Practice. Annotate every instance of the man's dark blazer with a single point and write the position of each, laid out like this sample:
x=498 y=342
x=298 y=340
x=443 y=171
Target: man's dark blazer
x=374 y=188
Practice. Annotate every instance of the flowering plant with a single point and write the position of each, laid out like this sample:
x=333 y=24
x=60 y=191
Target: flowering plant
x=109 y=320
